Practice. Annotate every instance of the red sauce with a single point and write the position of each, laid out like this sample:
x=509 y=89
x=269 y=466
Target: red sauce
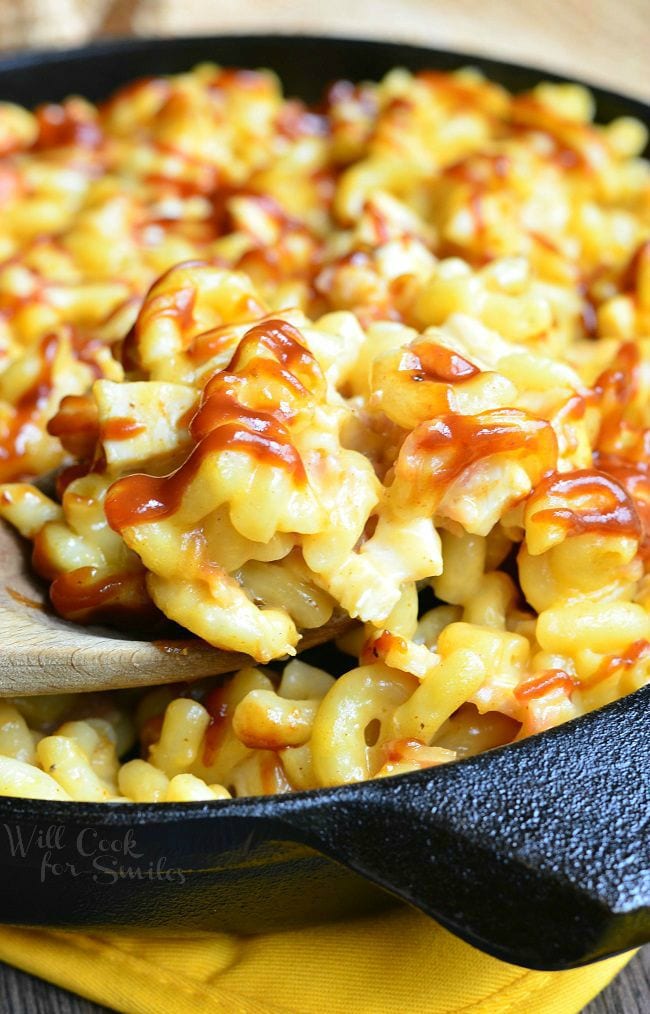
x=218 y=340
x=15 y=443
x=84 y=597
x=480 y=173
x=409 y=751
x=121 y=428
x=615 y=389
x=453 y=88
x=177 y=305
x=382 y=232
x=159 y=86
x=66 y=124
x=573 y=142
x=395 y=749
x=223 y=423
x=377 y=648
x=634 y=477
x=637 y=652
x=476 y=210
x=138 y=499
x=438 y=363
x=283 y=340
x=76 y=424
x=202 y=178
x=546 y=682
x=479 y=170
x=592 y=502
x=462 y=441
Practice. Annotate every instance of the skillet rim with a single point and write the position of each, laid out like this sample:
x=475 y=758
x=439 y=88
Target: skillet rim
x=24 y=59
x=262 y=807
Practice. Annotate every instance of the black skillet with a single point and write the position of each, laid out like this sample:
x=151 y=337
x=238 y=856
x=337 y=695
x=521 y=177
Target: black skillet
x=538 y=852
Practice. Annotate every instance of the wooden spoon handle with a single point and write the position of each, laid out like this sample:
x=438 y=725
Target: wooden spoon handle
x=45 y=655
x=42 y=654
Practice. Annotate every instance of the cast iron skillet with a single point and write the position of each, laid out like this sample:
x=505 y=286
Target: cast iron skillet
x=538 y=852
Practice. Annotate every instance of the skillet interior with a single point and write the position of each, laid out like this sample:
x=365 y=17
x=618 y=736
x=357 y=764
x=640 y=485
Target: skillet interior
x=538 y=852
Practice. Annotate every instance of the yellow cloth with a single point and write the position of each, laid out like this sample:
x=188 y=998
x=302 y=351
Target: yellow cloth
x=398 y=962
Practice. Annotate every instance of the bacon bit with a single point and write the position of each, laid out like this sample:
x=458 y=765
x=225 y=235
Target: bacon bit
x=550 y=680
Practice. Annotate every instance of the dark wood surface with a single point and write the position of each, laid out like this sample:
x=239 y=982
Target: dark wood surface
x=629 y=993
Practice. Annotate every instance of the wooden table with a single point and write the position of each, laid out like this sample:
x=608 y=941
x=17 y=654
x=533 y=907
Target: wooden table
x=605 y=41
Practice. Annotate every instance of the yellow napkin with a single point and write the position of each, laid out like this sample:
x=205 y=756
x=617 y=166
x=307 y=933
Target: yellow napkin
x=398 y=962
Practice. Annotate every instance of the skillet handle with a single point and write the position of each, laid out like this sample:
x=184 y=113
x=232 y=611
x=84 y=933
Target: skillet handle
x=538 y=853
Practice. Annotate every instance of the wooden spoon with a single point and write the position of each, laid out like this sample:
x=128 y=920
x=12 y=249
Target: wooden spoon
x=40 y=653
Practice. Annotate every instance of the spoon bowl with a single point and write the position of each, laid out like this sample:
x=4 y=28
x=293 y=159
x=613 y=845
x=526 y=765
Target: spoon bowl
x=45 y=654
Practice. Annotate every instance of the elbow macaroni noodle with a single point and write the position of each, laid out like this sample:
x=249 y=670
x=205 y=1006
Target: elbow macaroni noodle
x=389 y=356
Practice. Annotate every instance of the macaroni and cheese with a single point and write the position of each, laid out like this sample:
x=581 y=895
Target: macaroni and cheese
x=389 y=356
